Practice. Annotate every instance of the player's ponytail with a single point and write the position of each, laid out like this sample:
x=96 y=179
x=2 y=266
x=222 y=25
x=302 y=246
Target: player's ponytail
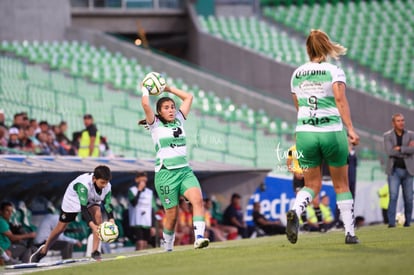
x=319 y=46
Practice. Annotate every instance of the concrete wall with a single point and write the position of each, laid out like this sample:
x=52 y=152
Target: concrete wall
x=226 y=9
x=34 y=19
x=128 y=21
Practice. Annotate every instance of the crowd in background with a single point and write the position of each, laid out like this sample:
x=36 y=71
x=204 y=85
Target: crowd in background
x=29 y=136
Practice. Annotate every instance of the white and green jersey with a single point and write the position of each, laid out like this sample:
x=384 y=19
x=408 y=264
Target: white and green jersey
x=312 y=84
x=81 y=191
x=170 y=143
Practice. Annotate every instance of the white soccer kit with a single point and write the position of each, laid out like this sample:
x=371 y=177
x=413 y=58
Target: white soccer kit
x=72 y=201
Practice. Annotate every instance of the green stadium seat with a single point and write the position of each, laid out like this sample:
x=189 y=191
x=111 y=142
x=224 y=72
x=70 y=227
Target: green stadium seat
x=369 y=29
x=217 y=130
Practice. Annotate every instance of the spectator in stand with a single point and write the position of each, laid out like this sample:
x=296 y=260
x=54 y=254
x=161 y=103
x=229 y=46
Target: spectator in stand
x=43 y=144
x=3 y=140
x=55 y=148
x=4 y=132
x=76 y=136
x=44 y=126
x=25 y=141
x=3 y=136
x=31 y=133
x=2 y=119
x=8 y=240
x=90 y=138
x=61 y=138
x=14 y=142
x=25 y=120
x=17 y=120
x=233 y=216
x=35 y=125
x=55 y=130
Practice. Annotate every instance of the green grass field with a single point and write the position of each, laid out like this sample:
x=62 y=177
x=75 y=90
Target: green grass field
x=381 y=251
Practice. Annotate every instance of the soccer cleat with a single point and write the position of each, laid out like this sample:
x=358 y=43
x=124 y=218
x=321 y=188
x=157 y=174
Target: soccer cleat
x=37 y=255
x=96 y=255
x=351 y=239
x=292 y=226
x=168 y=246
x=201 y=243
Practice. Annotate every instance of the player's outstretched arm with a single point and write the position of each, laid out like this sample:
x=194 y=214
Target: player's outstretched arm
x=186 y=97
x=145 y=102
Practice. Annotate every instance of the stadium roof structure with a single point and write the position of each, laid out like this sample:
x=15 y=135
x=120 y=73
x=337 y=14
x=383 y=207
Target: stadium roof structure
x=27 y=177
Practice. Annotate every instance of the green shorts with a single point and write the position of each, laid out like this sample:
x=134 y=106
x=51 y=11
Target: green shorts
x=313 y=147
x=171 y=184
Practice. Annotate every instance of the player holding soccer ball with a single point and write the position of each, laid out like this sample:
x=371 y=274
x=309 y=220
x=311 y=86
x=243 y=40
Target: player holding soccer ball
x=173 y=176
x=84 y=194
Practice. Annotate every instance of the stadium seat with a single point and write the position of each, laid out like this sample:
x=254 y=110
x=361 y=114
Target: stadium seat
x=368 y=28
x=219 y=130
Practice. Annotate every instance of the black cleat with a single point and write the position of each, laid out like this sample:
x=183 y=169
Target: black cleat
x=96 y=255
x=292 y=226
x=351 y=239
x=37 y=255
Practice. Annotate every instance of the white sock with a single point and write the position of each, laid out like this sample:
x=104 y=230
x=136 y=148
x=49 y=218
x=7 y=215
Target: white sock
x=199 y=228
x=346 y=208
x=168 y=238
x=5 y=256
x=303 y=199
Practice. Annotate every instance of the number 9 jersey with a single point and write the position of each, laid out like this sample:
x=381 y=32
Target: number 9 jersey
x=312 y=84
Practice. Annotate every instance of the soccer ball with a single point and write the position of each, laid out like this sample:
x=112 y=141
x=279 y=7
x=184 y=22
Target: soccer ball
x=108 y=232
x=400 y=218
x=154 y=83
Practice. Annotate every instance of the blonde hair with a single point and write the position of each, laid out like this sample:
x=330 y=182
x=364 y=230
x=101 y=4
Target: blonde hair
x=319 y=46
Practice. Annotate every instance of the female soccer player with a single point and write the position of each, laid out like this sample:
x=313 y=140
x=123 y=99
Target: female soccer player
x=173 y=176
x=318 y=90
x=84 y=194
